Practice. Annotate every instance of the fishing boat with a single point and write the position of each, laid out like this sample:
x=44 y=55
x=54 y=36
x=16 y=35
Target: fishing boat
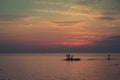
x=69 y=57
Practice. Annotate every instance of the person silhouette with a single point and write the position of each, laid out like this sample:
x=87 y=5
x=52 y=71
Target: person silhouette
x=68 y=56
x=108 y=56
x=71 y=56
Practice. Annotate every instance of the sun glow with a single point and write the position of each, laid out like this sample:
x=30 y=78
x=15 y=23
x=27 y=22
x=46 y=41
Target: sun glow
x=75 y=43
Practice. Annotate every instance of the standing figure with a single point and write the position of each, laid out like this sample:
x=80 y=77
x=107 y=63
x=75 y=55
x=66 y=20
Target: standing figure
x=108 y=56
x=71 y=56
x=68 y=56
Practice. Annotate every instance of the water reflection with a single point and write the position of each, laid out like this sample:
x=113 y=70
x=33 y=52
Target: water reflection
x=52 y=67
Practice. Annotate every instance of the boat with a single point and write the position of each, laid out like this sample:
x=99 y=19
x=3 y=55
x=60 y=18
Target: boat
x=70 y=58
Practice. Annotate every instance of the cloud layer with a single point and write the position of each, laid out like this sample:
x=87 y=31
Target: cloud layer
x=54 y=26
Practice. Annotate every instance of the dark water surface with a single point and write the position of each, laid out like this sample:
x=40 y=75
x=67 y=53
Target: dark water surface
x=52 y=67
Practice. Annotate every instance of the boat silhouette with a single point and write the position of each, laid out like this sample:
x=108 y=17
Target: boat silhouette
x=69 y=57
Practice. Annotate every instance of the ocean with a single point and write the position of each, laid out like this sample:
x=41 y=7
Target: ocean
x=51 y=66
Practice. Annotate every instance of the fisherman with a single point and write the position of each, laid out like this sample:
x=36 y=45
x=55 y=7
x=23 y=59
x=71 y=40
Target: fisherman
x=71 y=56
x=108 y=56
x=68 y=56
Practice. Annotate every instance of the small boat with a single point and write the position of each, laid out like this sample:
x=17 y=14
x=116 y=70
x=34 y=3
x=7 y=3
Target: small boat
x=70 y=58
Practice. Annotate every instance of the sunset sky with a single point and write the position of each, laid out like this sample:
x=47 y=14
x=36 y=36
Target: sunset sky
x=59 y=26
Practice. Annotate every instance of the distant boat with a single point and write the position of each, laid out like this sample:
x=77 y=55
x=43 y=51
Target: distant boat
x=70 y=58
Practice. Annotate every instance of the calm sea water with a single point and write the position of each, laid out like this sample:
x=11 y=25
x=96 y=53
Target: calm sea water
x=52 y=67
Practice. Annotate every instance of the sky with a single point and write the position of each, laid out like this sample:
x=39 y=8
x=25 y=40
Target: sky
x=59 y=26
